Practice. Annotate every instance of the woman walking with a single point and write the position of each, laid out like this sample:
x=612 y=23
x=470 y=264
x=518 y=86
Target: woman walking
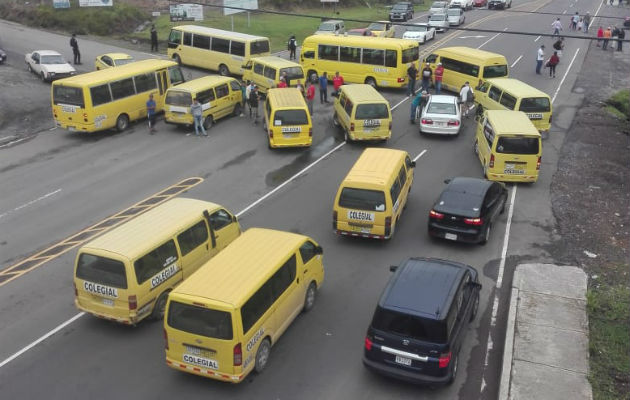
x=553 y=61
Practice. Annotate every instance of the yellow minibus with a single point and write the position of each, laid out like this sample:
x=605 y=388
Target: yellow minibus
x=371 y=198
x=219 y=97
x=286 y=120
x=125 y=275
x=362 y=113
x=466 y=64
x=214 y=49
x=112 y=97
x=508 y=145
x=222 y=322
x=265 y=72
x=360 y=59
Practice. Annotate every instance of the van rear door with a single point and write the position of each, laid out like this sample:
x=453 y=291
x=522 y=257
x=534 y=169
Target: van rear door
x=517 y=154
x=373 y=120
x=361 y=212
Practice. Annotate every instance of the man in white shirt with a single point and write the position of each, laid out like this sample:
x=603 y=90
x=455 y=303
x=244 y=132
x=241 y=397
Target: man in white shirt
x=466 y=98
x=557 y=26
x=540 y=58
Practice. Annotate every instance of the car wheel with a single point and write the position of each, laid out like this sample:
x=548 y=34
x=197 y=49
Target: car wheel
x=29 y=68
x=262 y=355
x=159 y=307
x=122 y=122
x=223 y=70
x=486 y=235
x=177 y=59
x=475 y=308
x=42 y=77
x=454 y=367
x=476 y=147
x=208 y=122
x=370 y=81
x=309 y=298
x=237 y=110
x=504 y=204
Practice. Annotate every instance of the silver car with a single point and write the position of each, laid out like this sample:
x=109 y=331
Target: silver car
x=439 y=22
x=441 y=115
x=438 y=7
x=455 y=16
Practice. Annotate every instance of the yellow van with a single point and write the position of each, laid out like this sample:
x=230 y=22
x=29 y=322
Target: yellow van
x=125 y=275
x=287 y=121
x=265 y=72
x=219 y=96
x=372 y=196
x=512 y=94
x=508 y=145
x=222 y=322
x=462 y=64
x=362 y=113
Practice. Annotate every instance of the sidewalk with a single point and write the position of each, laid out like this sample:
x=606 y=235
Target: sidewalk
x=546 y=346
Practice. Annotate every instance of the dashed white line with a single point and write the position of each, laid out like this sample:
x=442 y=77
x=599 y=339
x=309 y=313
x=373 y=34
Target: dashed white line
x=488 y=41
x=517 y=60
x=420 y=155
x=12 y=142
x=537 y=39
x=565 y=76
x=506 y=240
x=30 y=202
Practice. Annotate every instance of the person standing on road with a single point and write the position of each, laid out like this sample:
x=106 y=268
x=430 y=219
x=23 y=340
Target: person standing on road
x=254 y=98
x=426 y=77
x=75 y=49
x=282 y=83
x=310 y=96
x=466 y=98
x=607 y=36
x=412 y=73
x=556 y=26
x=553 y=61
x=248 y=92
x=615 y=36
x=439 y=74
x=285 y=76
x=337 y=82
x=587 y=21
x=151 y=113
x=419 y=101
x=323 y=88
x=300 y=87
x=197 y=112
x=600 y=36
x=621 y=36
x=540 y=58
x=574 y=21
x=558 y=46
x=154 y=38
x=243 y=97
x=292 y=46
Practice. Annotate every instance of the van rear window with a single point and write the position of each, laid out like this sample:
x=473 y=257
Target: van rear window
x=68 y=95
x=409 y=326
x=178 y=98
x=290 y=117
x=362 y=199
x=259 y=47
x=495 y=71
x=372 y=111
x=535 y=104
x=102 y=270
x=200 y=321
x=518 y=145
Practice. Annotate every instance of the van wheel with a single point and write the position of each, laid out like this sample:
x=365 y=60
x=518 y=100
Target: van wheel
x=309 y=298
x=473 y=313
x=122 y=122
x=237 y=110
x=223 y=70
x=346 y=136
x=335 y=120
x=454 y=367
x=476 y=147
x=177 y=59
x=370 y=81
x=262 y=355
x=486 y=235
x=159 y=307
x=208 y=122
x=504 y=204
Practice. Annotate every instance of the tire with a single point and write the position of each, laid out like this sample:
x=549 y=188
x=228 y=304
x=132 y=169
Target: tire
x=208 y=122
x=503 y=206
x=177 y=59
x=122 y=122
x=29 y=68
x=473 y=314
x=158 y=308
x=335 y=120
x=237 y=110
x=262 y=355
x=370 y=81
x=476 y=147
x=486 y=235
x=309 y=297
x=454 y=368
x=224 y=70
x=42 y=76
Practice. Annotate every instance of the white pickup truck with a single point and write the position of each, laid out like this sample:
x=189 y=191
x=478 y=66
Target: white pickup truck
x=48 y=65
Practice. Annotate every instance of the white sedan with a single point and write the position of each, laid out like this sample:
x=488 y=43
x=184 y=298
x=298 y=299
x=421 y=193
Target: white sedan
x=419 y=32
x=439 y=22
x=48 y=65
x=441 y=115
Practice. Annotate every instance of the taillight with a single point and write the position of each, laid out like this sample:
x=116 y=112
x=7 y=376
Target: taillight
x=426 y=121
x=76 y=291
x=270 y=133
x=538 y=163
x=238 y=355
x=401 y=80
x=85 y=117
x=445 y=359
x=435 y=215
x=133 y=302
x=453 y=122
x=491 y=163
x=55 y=114
x=368 y=344
x=352 y=126
x=473 y=221
x=334 y=219
x=388 y=226
x=165 y=339
x=310 y=132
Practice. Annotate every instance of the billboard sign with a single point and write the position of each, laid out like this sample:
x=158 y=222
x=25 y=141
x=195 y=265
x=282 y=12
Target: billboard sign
x=246 y=4
x=61 y=3
x=186 y=12
x=96 y=3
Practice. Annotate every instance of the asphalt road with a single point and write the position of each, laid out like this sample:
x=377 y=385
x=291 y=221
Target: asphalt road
x=55 y=184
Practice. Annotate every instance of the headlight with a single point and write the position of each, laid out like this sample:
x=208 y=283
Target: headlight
x=51 y=73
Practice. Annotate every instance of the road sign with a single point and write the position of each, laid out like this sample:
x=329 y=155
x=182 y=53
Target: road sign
x=247 y=4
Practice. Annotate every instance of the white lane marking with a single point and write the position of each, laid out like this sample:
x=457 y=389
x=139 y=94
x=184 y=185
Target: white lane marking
x=6 y=137
x=41 y=339
x=420 y=155
x=565 y=76
x=506 y=240
x=564 y=12
x=488 y=41
x=596 y=13
x=468 y=37
x=538 y=38
x=400 y=102
x=13 y=142
x=31 y=202
x=517 y=60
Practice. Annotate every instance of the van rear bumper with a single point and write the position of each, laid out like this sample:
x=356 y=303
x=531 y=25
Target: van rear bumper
x=406 y=376
x=512 y=178
x=207 y=373
x=359 y=234
x=125 y=321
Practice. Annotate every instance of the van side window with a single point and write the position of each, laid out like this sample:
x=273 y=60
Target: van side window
x=237 y=48
x=222 y=90
x=342 y=99
x=460 y=66
x=122 y=88
x=494 y=93
x=283 y=278
x=488 y=133
x=307 y=251
x=373 y=56
x=309 y=54
x=431 y=58
x=145 y=82
x=327 y=52
x=258 y=68
x=402 y=176
x=348 y=107
x=391 y=58
x=394 y=191
x=256 y=306
x=205 y=96
x=270 y=73
x=192 y=237
x=268 y=108
x=236 y=87
x=100 y=94
x=155 y=261
x=508 y=101
x=187 y=39
x=221 y=45
x=484 y=87
x=220 y=219
x=201 y=42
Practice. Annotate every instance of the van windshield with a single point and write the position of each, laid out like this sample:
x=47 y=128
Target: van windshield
x=68 y=95
x=290 y=117
x=409 y=326
x=327 y=27
x=518 y=145
x=495 y=71
x=293 y=72
x=178 y=98
x=535 y=104
x=362 y=199
x=102 y=270
x=372 y=111
x=200 y=321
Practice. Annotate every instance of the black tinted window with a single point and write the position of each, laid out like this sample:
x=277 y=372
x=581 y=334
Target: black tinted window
x=238 y=48
x=256 y=306
x=175 y=37
x=259 y=47
x=258 y=68
x=68 y=95
x=391 y=59
x=372 y=111
x=410 y=55
x=176 y=75
x=220 y=219
x=293 y=72
x=187 y=39
x=122 y=89
x=221 y=45
x=193 y=237
x=102 y=270
x=535 y=104
x=100 y=95
x=517 y=145
x=177 y=98
x=270 y=73
x=328 y=52
x=205 y=96
x=495 y=71
x=155 y=261
x=145 y=82
x=460 y=66
x=201 y=42
x=222 y=90
x=362 y=199
x=200 y=321
x=290 y=117
x=373 y=56
x=508 y=101
x=409 y=326
x=350 y=54
x=283 y=278
x=307 y=251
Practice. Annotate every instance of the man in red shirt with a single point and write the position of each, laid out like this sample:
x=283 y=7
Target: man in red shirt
x=282 y=83
x=310 y=96
x=337 y=82
x=439 y=73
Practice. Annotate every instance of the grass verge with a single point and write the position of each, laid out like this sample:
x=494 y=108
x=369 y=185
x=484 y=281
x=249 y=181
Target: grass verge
x=609 y=343
x=619 y=104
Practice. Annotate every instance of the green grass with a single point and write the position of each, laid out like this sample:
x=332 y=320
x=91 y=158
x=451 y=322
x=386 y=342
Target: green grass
x=619 y=104
x=609 y=343
x=277 y=28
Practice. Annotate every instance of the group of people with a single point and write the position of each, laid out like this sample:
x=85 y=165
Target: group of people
x=576 y=23
x=553 y=61
x=427 y=76
x=605 y=35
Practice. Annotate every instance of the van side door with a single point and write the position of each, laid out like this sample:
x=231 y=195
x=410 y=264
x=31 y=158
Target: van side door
x=287 y=288
x=224 y=105
x=404 y=186
x=195 y=247
x=258 y=74
x=486 y=142
x=225 y=228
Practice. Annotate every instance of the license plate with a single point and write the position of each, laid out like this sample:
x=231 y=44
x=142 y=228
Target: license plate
x=289 y=135
x=72 y=129
x=403 y=360
x=450 y=236
x=108 y=302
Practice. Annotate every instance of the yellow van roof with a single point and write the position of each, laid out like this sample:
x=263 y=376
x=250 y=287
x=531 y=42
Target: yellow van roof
x=276 y=61
x=361 y=41
x=141 y=234
x=285 y=97
x=516 y=87
x=107 y=74
x=363 y=93
x=202 y=83
x=203 y=30
x=234 y=274
x=473 y=54
x=374 y=166
x=511 y=123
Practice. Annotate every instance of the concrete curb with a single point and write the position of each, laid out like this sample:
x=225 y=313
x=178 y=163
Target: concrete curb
x=508 y=348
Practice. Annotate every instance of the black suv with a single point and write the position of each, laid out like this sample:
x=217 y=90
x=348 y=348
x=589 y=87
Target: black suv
x=421 y=319
x=402 y=11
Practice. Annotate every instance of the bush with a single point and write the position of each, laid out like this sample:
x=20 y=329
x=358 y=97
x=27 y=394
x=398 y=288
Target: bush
x=621 y=101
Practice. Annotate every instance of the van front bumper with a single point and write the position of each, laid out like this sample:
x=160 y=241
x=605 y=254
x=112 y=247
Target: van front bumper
x=406 y=376
x=207 y=373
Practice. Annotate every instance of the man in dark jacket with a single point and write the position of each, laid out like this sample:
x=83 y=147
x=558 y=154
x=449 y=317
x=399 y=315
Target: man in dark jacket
x=292 y=46
x=75 y=49
x=154 y=38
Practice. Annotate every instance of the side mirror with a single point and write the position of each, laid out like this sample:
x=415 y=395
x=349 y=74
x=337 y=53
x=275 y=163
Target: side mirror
x=319 y=250
x=475 y=285
x=335 y=94
x=412 y=164
x=447 y=181
x=393 y=268
x=234 y=218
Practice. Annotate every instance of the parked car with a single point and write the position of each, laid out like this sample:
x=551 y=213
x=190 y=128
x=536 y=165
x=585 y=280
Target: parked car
x=439 y=22
x=402 y=11
x=502 y=4
x=331 y=27
x=421 y=320
x=360 y=32
x=463 y=4
x=420 y=32
x=441 y=115
x=480 y=3
x=3 y=56
x=438 y=7
x=466 y=209
x=382 y=29
x=48 y=65
x=455 y=16
x=112 y=60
